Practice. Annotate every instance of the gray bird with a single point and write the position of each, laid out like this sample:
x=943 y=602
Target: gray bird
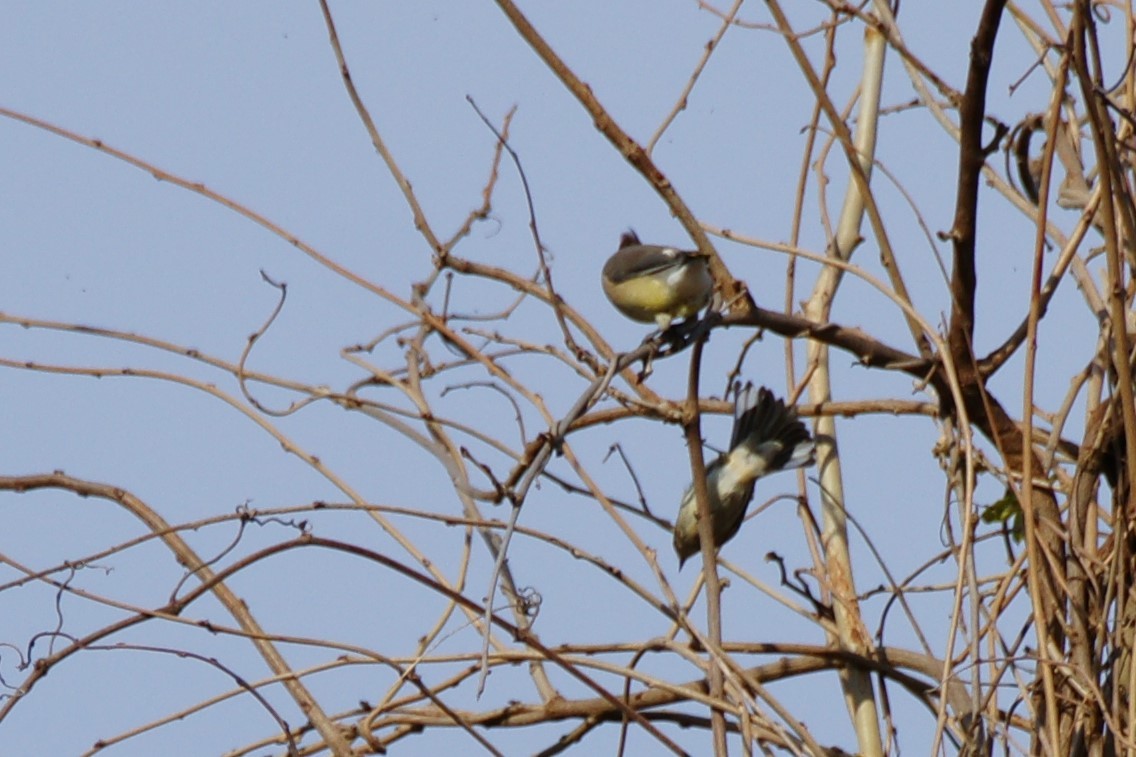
x=649 y=283
x=767 y=437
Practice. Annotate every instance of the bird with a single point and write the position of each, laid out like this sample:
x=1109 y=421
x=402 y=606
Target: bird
x=650 y=283
x=767 y=437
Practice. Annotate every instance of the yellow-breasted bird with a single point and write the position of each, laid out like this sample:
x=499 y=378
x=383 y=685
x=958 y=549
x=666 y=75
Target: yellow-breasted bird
x=767 y=437
x=650 y=283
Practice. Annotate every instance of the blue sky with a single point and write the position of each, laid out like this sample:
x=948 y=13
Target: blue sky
x=247 y=98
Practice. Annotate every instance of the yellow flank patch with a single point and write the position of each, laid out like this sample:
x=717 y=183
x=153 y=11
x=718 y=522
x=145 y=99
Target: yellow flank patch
x=640 y=299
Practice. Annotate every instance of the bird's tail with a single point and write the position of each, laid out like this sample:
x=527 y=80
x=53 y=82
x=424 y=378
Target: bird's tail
x=769 y=429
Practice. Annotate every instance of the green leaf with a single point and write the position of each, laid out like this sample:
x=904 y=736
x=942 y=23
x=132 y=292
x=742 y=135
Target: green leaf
x=1008 y=512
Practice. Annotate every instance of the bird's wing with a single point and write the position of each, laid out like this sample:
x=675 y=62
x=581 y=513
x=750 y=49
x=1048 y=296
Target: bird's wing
x=632 y=262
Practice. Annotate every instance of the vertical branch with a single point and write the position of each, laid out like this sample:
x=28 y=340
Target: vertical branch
x=1044 y=531
x=1110 y=168
x=692 y=428
x=1114 y=222
x=858 y=692
x=1081 y=649
x=972 y=157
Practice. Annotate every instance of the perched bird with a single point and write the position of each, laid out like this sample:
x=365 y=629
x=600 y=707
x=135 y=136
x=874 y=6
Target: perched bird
x=647 y=282
x=767 y=437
